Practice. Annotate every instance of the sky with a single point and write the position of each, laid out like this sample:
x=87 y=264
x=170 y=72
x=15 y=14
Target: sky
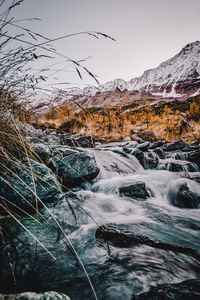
x=147 y=32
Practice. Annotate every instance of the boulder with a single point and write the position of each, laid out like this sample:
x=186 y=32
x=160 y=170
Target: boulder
x=136 y=190
x=157 y=144
x=82 y=141
x=185 y=198
x=194 y=156
x=138 y=154
x=35 y=296
x=147 y=135
x=124 y=238
x=85 y=141
x=186 y=290
x=67 y=140
x=17 y=185
x=126 y=139
x=144 y=146
x=150 y=160
x=177 y=145
x=160 y=152
x=76 y=168
x=42 y=151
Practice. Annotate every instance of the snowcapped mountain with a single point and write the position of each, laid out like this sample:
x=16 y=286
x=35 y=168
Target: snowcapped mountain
x=175 y=77
x=178 y=76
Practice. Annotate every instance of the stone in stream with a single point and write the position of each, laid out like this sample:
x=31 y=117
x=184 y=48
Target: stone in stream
x=144 y=146
x=194 y=156
x=186 y=290
x=177 y=145
x=157 y=144
x=160 y=152
x=35 y=296
x=136 y=190
x=19 y=182
x=150 y=160
x=185 y=198
x=76 y=168
x=124 y=238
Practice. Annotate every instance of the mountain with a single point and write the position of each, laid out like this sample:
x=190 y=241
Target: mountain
x=177 y=77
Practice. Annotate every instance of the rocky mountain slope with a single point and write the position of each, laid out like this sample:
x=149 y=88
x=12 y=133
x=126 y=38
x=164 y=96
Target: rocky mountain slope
x=177 y=77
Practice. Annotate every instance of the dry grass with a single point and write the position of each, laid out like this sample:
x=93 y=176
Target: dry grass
x=115 y=124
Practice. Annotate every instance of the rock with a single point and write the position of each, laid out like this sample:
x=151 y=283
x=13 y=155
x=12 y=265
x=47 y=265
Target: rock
x=185 y=198
x=186 y=290
x=136 y=138
x=42 y=151
x=137 y=190
x=160 y=152
x=76 y=168
x=147 y=135
x=157 y=144
x=17 y=186
x=144 y=146
x=85 y=142
x=138 y=154
x=192 y=176
x=124 y=238
x=126 y=139
x=67 y=140
x=82 y=141
x=173 y=165
x=35 y=296
x=150 y=160
x=177 y=145
x=194 y=156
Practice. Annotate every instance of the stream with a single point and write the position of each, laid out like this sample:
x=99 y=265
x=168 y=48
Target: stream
x=116 y=272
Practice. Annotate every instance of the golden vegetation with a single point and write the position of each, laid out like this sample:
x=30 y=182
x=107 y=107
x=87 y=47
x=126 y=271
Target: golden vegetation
x=117 y=123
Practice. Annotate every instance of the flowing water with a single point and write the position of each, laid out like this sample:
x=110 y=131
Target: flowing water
x=122 y=272
x=117 y=273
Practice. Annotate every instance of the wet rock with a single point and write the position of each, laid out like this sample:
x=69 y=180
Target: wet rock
x=17 y=185
x=136 y=190
x=160 y=152
x=126 y=139
x=194 y=156
x=177 y=145
x=185 y=198
x=76 y=168
x=124 y=238
x=173 y=165
x=138 y=154
x=42 y=151
x=144 y=146
x=147 y=135
x=157 y=144
x=192 y=176
x=186 y=290
x=150 y=160
x=67 y=140
x=35 y=296
x=82 y=141
x=85 y=142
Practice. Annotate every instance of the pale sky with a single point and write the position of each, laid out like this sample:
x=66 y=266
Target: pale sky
x=147 y=32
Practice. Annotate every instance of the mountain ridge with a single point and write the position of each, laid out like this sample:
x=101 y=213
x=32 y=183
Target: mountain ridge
x=177 y=77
